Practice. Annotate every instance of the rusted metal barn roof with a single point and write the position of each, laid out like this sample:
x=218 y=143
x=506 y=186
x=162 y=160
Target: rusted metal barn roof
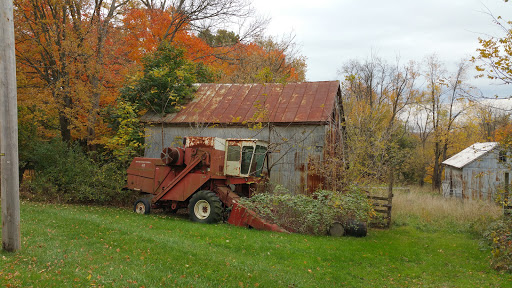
x=304 y=102
x=470 y=154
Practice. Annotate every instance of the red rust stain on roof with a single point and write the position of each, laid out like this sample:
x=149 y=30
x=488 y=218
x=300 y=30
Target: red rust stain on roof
x=278 y=103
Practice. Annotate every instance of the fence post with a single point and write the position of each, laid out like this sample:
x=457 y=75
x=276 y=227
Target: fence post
x=507 y=208
x=390 y=196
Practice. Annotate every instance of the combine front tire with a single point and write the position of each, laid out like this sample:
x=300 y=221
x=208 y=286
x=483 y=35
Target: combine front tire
x=142 y=206
x=205 y=207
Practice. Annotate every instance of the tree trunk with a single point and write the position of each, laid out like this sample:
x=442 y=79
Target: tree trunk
x=436 y=175
x=95 y=77
x=91 y=125
x=65 y=133
x=64 y=121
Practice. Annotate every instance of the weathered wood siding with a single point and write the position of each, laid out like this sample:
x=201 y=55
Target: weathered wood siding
x=293 y=148
x=452 y=186
x=478 y=180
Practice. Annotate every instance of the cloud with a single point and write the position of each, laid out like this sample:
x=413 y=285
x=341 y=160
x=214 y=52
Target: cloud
x=332 y=32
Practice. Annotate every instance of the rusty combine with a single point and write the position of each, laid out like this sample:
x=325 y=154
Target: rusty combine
x=208 y=175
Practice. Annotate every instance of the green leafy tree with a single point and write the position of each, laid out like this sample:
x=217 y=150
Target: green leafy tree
x=166 y=83
x=128 y=140
x=220 y=39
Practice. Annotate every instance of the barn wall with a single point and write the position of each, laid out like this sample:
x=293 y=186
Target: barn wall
x=484 y=176
x=293 y=147
x=486 y=162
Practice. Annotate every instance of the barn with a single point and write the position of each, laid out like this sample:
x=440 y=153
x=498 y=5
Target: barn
x=477 y=172
x=301 y=121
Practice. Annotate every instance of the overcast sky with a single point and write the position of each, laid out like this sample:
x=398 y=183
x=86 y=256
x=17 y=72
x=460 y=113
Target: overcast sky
x=331 y=32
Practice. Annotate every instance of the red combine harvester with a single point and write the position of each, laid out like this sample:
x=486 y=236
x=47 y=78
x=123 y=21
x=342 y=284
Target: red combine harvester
x=207 y=175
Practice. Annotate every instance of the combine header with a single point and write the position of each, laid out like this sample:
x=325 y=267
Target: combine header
x=207 y=176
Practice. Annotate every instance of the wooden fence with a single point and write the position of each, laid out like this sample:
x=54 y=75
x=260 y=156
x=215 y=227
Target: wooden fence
x=382 y=206
x=382 y=198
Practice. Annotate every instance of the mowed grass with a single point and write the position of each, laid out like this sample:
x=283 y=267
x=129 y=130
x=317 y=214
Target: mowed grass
x=80 y=246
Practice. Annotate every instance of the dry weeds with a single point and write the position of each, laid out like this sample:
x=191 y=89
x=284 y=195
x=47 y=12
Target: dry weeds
x=421 y=206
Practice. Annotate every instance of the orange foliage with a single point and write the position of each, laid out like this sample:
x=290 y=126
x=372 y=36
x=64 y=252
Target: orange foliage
x=504 y=135
x=58 y=57
x=72 y=63
x=144 y=29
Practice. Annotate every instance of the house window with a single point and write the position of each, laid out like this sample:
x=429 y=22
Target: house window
x=502 y=156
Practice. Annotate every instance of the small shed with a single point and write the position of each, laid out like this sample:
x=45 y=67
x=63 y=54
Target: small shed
x=476 y=172
x=299 y=120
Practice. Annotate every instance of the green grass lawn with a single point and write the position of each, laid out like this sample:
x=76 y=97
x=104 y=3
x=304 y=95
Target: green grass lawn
x=66 y=245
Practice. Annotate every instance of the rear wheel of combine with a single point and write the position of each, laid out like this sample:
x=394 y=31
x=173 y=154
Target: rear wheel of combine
x=142 y=206
x=205 y=207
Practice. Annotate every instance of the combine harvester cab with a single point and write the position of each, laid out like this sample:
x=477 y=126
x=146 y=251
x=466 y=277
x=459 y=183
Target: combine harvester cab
x=207 y=176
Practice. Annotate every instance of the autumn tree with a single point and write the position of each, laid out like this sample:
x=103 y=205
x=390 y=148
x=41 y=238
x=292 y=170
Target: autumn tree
x=504 y=136
x=490 y=118
x=193 y=15
x=400 y=127
x=74 y=55
x=494 y=56
x=244 y=56
x=445 y=100
x=61 y=50
x=68 y=50
x=101 y=19
x=375 y=94
x=266 y=60
x=44 y=43
x=143 y=31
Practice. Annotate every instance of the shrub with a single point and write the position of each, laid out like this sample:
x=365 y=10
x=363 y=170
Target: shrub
x=310 y=214
x=353 y=204
x=66 y=175
x=499 y=236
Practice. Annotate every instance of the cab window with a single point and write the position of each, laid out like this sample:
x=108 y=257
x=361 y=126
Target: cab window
x=259 y=159
x=233 y=153
x=247 y=152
